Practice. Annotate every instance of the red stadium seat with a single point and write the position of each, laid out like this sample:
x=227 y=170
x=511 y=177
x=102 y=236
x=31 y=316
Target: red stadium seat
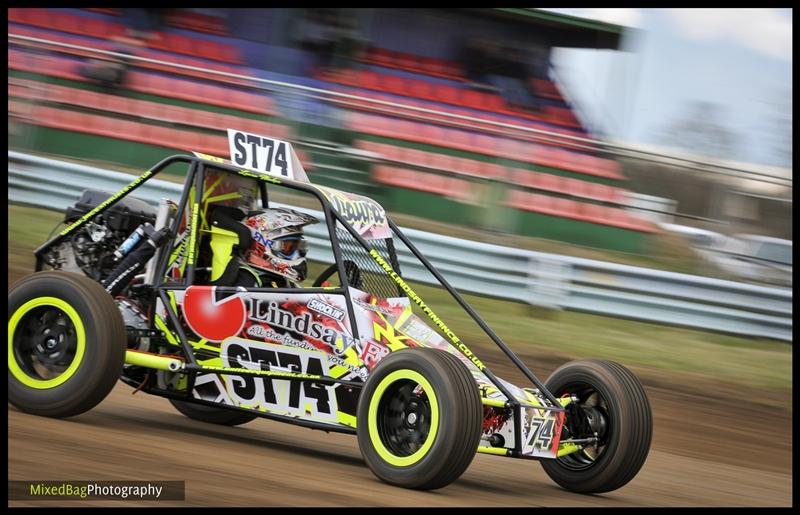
x=473 y=99
x=116 y=104
x=446 y=94
x=95 y=28
x=67 y=23
x=393 y=84
x=417 y=157
x=458 y=139
x=368 y=146
x=220 y=52
x=422 y=89
x=618 y=195
x=441 y=162
x=41 y=18
x=421 y=158
x=452 y=70
x=104 y=10
x=484 y=144
x=162 y=41
x=405 y=61
x=470 y=167
x=368 y=80
x=184 y=45
x=547 y=181
x=494 y=102
x=15 y=15
x=430 y=134
x=591 y=213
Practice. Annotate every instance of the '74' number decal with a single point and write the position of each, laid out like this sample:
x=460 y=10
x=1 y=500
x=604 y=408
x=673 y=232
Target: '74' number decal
x=540 y=433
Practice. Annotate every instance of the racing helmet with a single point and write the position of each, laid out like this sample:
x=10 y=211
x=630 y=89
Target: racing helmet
x=278 y=245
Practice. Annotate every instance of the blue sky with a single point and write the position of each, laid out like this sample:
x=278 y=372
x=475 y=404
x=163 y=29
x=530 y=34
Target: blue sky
x=739 y=59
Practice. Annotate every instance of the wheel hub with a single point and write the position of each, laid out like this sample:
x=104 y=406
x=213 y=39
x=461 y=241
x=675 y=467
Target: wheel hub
x=412 y=415
x=597 y=421
x=51 y=343
x=405 y=420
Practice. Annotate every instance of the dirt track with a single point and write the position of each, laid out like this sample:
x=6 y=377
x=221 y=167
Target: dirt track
x=711 y=447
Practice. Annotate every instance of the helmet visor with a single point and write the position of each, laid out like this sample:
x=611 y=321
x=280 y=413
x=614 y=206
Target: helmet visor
x=290 y=247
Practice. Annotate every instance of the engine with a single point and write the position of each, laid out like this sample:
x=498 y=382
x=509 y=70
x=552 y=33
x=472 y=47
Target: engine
x=91 y=249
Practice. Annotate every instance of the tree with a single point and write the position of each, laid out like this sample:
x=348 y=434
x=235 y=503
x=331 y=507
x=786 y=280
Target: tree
x=778 y=129
x=701 y=130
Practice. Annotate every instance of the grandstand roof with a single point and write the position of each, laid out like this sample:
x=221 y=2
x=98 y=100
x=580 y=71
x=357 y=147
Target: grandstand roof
x=563 y=30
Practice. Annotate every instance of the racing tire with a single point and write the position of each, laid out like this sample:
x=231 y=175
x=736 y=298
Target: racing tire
x=213 y=415
x=613 y=404
x=419 y=419
x=66 y=344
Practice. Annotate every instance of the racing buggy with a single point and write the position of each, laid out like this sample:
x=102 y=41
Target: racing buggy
x=144 y=294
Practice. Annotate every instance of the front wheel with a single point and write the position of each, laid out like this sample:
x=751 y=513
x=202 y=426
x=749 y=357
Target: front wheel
x=66 y=344
x=609 y=407
x=419 y=419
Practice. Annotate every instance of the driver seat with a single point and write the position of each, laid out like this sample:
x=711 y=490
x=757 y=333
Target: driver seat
x=229 y=238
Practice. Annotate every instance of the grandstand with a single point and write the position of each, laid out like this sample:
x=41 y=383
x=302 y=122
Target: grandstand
x=449 y=169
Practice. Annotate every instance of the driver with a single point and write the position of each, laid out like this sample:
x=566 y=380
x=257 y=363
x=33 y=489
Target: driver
x=276 y=257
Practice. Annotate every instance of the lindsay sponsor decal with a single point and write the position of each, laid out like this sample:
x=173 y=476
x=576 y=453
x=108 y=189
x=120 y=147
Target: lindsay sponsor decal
x=271 y=313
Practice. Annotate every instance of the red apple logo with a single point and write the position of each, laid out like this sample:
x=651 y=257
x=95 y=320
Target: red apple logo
x=210 y=319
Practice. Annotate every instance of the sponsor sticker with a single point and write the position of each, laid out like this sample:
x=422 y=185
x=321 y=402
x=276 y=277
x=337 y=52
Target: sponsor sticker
x=271 y=313
x=295 y=398
x=365 y=215
x=541 y=434
x=373 y=353
x=326 y=309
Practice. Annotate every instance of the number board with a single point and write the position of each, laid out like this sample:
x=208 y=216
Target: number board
x=260 y=153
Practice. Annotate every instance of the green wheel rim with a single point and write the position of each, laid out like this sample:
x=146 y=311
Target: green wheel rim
x=373 y=416
x=80 y=342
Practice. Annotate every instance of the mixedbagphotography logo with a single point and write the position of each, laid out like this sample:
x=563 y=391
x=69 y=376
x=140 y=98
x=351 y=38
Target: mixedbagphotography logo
x=96 y=490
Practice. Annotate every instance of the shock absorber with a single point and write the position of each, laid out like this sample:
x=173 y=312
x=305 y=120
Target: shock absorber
x=135 y=261
x=133 y=240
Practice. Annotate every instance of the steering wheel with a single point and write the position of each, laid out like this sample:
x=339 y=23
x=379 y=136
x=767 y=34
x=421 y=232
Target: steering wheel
x=351 y=269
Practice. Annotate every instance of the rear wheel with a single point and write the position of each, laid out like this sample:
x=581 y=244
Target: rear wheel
x=419 y=419
x=212 y=415
x=66 y=344
x=609 y=405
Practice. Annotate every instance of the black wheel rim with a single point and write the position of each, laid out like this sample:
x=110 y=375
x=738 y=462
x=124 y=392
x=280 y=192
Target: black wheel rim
x=587 y=417
x=404 y=417
x=45 y=343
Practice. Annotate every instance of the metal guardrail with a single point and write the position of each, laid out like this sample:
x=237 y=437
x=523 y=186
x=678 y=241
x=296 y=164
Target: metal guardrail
x=548 y=280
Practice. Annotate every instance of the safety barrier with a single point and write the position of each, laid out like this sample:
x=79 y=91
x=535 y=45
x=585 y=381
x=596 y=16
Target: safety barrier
x=548 y=280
